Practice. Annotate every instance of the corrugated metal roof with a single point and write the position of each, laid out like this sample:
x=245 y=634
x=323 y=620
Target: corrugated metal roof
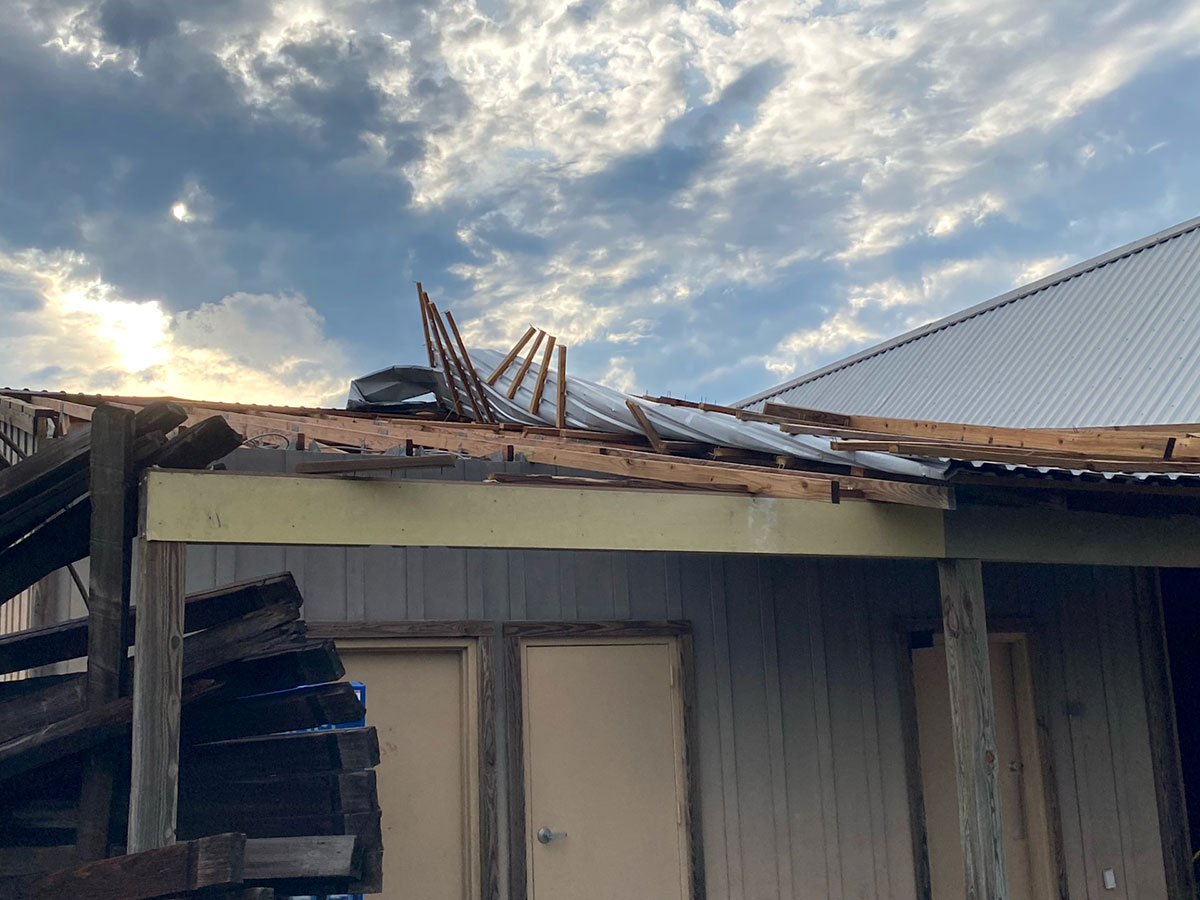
x=1114 y=340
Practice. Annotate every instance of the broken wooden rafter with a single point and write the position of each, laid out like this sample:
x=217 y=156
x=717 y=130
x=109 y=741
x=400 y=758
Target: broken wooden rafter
x=425 y=325
x=543 y=370
x=487 y=412
x=560 y=408
x=647 y=426
x=510 y=356
x=445 y=360
x=520 y=376
x=476 y=403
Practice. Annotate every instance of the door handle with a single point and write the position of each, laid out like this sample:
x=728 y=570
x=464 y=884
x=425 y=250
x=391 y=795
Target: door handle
x=545 y=835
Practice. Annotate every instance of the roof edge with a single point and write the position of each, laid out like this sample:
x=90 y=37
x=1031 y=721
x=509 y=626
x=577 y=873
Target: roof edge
x=1017 y=293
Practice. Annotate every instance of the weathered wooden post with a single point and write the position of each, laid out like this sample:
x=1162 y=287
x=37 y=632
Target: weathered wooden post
x=109 y=481
x=974 y=722
x=157 y=690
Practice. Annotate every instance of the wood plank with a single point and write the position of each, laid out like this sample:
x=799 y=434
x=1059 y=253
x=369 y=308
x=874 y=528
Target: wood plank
x=68 y=640
x=309 y=707
x=209 y=862
x=560 y=408
x=510 y=356
x=321 y=864
x=647 y=427
x=317 y=662
x=476 y=404
x=425 y=325
x=520 y=376
x=488 y=414
x=157 y=689
x=110 y=480
x=974 y=722
x=445 y=359
x=376 y=464
x=539 y=387
x=340 y=750
x=1087 y=442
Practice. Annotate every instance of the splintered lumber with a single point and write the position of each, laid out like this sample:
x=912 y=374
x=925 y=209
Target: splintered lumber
x=488 y=414
x=268 y=630
x=520 y=376
x=64 y=539
x=539 y=387
x=157 y=695
x=61 y=458
x=425 y=324
x=282 y=795
x=223 y=719
x=33 y=703
x=1086 y=442
x=376 y=464
x=202 y=444
x=647 y=426
x=208 y=862
x=510 y=356
x=560 y=409
x=63 y=641
x=339 y=750
x=445 y=359
x=317 y=662
x=476 y=403
x=327 y=862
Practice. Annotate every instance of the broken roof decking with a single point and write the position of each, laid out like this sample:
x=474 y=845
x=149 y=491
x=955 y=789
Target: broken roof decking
x=1114 y=340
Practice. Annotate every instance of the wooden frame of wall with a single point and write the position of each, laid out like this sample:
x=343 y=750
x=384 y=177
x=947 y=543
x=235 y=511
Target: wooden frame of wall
x=515 y=633
x=908 y=635
x=482 y=634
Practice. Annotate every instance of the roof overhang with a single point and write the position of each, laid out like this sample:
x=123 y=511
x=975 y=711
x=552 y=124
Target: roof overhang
x=234 y=508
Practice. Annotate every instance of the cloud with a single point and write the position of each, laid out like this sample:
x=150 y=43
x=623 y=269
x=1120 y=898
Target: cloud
x=620 y=375
x=77 y=333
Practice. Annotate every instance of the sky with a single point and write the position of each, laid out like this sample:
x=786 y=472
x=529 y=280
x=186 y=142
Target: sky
x=233 y=199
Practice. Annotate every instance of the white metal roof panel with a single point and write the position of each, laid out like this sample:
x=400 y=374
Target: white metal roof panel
x=1114 y=340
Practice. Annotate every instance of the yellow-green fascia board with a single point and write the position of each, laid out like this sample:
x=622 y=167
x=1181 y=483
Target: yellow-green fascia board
x=237 y=508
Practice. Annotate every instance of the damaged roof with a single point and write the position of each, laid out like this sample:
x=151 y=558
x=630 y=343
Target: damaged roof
x=1114 y=340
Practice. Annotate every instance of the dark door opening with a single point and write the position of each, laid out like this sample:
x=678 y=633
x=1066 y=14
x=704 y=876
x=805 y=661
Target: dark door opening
x=1181 y=616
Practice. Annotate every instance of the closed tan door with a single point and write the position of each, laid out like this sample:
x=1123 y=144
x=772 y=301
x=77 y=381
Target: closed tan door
x=421 y=700
x=1022 y=805
x=604 y=776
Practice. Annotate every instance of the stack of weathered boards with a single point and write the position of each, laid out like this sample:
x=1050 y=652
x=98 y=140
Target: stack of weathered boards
x=271 y=798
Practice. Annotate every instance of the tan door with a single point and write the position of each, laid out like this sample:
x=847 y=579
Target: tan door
x=422 y=701
x=603 y=756
x=1022 y=804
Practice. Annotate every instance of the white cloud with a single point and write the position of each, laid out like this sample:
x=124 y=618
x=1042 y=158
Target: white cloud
x=81 y=335
x=620 y=375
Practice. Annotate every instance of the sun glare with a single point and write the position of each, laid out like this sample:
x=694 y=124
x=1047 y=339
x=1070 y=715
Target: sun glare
x=180 y=212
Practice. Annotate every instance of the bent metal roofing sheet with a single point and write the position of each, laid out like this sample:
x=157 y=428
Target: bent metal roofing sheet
x=1114 y=340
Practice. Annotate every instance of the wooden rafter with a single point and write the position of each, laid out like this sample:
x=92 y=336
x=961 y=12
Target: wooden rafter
x=510 y=356
x=520 y=376
x=543 y=370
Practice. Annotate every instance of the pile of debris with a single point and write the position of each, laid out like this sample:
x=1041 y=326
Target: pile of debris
x=272 y=793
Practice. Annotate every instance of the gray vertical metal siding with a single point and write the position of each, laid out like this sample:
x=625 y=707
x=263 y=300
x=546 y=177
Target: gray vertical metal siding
x=1114 y=342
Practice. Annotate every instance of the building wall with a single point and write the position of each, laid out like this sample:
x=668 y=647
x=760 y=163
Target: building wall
x=802 y=769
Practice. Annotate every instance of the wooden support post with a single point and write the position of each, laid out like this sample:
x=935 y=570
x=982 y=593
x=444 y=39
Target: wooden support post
x=560 y=409
x=110 y=477
x=974 y=723
x=157 y=689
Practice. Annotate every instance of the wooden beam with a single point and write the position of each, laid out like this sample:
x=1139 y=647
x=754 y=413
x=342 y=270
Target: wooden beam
x=520 y=376
x=445 y=360
x=157 y=690
x=543 y=370
x=110 y=481
x=376 y=464
x=210 y=862
x=488 y=414
x=510 y=356
x=425 y=324
x=1081 y=441
x=560 y=408
x=647 y=426
x=974 y=727
x=476 y=404
x=264 y=509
